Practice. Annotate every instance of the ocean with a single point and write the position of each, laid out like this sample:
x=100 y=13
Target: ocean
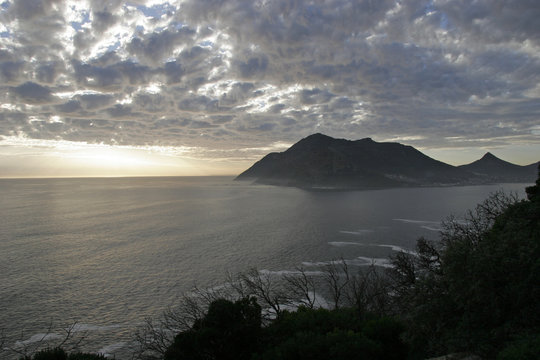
x=107 y=253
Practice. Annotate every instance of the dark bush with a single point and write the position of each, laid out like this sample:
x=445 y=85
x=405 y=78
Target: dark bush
x=230 y=330
x=477 y=290
x=527 y=348
x=61 y=354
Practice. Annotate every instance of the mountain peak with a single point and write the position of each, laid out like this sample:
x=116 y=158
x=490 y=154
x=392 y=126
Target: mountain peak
x=319 y=160
x=493 y=169
x=489 y=156
x=324 y=137
x=317 y=135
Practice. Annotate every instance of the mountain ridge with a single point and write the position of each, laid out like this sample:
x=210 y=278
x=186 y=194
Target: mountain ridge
x=321 y=161
x=494 y=169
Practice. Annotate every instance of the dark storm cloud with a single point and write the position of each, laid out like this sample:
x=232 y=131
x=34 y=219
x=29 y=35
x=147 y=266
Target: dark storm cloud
x=221 y=119
x=494 y=22
x=315 y=96
x=35 y=24
x=10 y=71
x=173 y=72
x=120 y=111
x=237 y=94
x=47 y=72
x=159 y=46
x=71 y=106
x=103 y=20
x=94 y=101
x=32 y=93
x=253 y=67
x=197 y=104
x=153 y=103
x=276 y=108
x=31 y=9
x=96 y=77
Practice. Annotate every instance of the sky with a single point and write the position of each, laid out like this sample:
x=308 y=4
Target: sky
x=208 y=87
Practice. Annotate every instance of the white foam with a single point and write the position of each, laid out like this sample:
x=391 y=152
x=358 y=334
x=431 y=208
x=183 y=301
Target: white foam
x=320 y=301
x=431 y=228
x=382 y=262
x=357 y=232
x=359 y=261
x=425 y=222
x=396 y=248
x=39 y=338
x=108 y=351
x=344 y=243
x=319 y=263
x=90 y=327
x=393 y=247
x=290 y=272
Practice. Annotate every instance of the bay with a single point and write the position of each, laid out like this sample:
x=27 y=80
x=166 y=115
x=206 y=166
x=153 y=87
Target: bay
x=108 y=252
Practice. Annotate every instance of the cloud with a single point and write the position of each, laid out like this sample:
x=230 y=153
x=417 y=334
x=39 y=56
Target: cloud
x=157 y=47
x=224 y=74
x=93 y=101
x=32 y=93
x=28 y=9
x=173 y=72
x=253 y=67
x=495 y=23
x=103 y=20
x=71 y=106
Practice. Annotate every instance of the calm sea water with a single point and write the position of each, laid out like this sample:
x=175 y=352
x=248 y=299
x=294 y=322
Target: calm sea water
x=107 y=253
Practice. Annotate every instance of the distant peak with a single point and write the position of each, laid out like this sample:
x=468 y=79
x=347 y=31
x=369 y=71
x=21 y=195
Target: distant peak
x=489 y=156
x=318 y=136
x=317 y=139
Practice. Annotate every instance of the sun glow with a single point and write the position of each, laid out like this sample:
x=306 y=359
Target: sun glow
x=107 y=157
x=61 y=158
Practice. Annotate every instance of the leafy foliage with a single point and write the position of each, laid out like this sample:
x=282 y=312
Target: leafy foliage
x=365 y=291
x=60 y=354
x=233 y=330
x=478 y=288
x=337 y=334
x=230 y=330
x=526 y=348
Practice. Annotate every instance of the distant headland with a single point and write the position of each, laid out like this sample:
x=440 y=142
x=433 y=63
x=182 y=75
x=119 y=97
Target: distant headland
x=322 y=162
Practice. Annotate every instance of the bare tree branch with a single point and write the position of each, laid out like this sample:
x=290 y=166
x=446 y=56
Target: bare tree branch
x=300 y=288
x=337 y=277
x=266 y=289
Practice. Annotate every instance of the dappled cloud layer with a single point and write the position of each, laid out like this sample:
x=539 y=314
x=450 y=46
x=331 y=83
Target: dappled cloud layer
x=233 y=80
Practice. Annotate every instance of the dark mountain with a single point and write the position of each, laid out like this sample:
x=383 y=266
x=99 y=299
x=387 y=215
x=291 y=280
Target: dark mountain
x=322 y=161
x=492 y=169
